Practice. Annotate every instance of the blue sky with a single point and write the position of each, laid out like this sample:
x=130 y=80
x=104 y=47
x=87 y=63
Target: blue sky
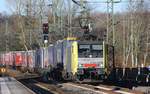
x=99 y=7
x=118 y=7
x=3 y=6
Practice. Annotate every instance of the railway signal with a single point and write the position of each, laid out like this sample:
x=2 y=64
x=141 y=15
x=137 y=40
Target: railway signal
x=45 y=32
x=45 y=39
x=45 y=28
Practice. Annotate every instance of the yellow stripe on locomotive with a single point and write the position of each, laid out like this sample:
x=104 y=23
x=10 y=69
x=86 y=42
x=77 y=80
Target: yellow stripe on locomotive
x=74 y=57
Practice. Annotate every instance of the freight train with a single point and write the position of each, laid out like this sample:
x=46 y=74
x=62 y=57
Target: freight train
x=71 y=59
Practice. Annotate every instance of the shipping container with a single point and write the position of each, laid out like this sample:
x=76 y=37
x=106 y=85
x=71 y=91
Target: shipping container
x=45 y=58
x=31 y=58
x=24 y=59
x=39 y=58
x=59 y=52
x=18 y=58
x=11 y=59
x=7 y=58
x=51 y=56
x=1 y=58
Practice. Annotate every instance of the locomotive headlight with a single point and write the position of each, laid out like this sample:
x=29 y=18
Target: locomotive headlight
x=80 y=65
x=101 y=65
x=90 y=56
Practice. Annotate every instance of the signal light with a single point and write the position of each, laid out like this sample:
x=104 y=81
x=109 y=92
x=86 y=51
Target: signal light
x=45 y=28
x=45 y=38
x=45 y=32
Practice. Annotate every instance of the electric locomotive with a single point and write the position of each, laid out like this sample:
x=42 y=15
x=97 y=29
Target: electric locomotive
x=81 y=59
x=94 y=60
x=91 y=60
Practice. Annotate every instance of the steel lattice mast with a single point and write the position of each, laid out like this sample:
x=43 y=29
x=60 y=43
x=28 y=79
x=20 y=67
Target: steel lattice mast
x=111 y=20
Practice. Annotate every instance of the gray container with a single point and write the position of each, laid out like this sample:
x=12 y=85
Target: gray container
x=51 y=55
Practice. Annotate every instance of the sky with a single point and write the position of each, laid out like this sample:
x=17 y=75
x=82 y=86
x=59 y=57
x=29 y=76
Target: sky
x=119 y=7
x=103 y=6
x=3 y=6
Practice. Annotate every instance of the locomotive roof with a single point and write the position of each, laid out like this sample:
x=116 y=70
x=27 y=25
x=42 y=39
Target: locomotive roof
x=79 y=41
x=90 y=42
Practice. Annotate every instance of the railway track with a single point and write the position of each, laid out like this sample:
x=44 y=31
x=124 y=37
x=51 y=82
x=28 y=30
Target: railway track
x=53 y=87
x=40 y=87
x=110 y=89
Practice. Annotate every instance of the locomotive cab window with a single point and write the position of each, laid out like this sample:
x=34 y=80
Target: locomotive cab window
x=84 y=47
x=84 y=50
x=97 y=47
x=97 y=50
x=90 y=50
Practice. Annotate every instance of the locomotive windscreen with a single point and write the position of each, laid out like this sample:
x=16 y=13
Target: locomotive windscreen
x=90 y=55
x=90 y=50
x=84 y=50
x=97 y=50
